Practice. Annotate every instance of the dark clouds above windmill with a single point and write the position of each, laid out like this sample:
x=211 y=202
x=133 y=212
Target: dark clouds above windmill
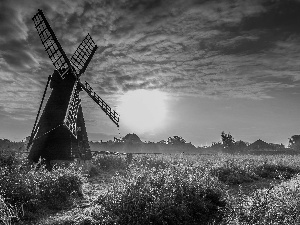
x=220 y=49
x=233 y=41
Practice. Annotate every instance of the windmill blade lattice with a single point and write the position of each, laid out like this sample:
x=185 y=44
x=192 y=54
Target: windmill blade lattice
x=103 y=105
x=70 y=120
x=51 y=44
x=83 y=55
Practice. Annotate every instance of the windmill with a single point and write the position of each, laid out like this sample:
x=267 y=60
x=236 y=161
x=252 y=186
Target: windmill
x=60 y=132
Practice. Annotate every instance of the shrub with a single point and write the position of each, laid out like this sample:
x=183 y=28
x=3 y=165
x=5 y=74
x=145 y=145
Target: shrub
x=93 y=172
x=150 y=162
x=277 y=205
x=7 y=212
x=93 y=215
x=169 y=196
x=33 y=190
x=233 y=176
x=17 y=188
x=100 y=214
x=275 y=171
x=58 y=187
x=109 y=162
x=8 y=158
x=231 y=173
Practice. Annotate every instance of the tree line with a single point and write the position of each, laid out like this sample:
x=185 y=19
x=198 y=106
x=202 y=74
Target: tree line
x=229 y=144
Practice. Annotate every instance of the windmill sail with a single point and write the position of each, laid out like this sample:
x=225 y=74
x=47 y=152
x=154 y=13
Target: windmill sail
x=83 y=55
x=70 y=120
x=103 y=105
x=51 y=44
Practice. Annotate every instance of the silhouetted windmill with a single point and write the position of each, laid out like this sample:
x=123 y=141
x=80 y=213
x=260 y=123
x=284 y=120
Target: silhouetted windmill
x=60 y=132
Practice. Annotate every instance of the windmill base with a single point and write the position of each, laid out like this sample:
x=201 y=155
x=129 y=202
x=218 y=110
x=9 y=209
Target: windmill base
x=59 y=144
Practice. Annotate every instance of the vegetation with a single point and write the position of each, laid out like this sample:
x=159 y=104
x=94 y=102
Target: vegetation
x=131 y=143
x=227 y=141
x=108 y=163
x=157 y=189
x=25 y=190
x=294 y=142
x=275 y=205
x=7 y=212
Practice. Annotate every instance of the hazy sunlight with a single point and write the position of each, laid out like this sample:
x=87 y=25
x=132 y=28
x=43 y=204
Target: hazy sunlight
x=143 y=110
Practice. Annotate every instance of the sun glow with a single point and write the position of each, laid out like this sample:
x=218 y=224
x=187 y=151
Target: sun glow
x=142 y=110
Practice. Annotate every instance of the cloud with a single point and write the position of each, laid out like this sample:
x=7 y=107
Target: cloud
x=205 y=40
x=12 y=25
x=17 y=55
x=218 y=49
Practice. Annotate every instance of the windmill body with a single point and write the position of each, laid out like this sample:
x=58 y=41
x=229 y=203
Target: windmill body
x=53 y=140
x=60 y=132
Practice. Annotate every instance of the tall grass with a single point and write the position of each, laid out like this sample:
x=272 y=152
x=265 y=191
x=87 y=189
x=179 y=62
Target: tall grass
x=107 y=163
x=279 y=204
x=7 y=212
x=157 y=193
x=189 y=189
x=23 y=186
x=161 y=189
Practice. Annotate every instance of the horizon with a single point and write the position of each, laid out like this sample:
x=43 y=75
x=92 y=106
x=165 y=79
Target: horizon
x=206 y=145
x=200 y=67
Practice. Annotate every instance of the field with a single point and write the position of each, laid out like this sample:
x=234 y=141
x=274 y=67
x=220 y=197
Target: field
x=153 y=189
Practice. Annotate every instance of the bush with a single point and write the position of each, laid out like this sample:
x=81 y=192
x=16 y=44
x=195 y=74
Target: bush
x=150 y=162
x=277 y=205
x=58 y=187
x=277 y=171
x=17 y=188
x=93 y=172
x=231 y=173
x=164 y=197
x=32 y=190
x=100 y=215
x=232 y=176
x=109 y=162
x=93 y=215
x=7 y=212
x=8 y=158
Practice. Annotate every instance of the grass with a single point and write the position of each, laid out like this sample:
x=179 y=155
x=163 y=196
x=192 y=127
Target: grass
x=276 y=205
x=160 y=189
x=28 y=191
x=7 y=212
x=169 y=196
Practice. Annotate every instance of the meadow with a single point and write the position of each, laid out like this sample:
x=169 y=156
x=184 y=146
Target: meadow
x=153 y=189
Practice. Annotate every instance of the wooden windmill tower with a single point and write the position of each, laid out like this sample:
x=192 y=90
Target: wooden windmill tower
x=60 y=132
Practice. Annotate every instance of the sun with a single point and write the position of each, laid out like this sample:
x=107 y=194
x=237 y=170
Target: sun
x=142 y=110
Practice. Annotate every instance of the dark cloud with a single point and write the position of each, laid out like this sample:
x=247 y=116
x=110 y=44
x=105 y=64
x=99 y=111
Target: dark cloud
x=123 y=79
x=17 y=55
x=145 y=5
x=11 y=24
x=259 y=31
x=279 y=16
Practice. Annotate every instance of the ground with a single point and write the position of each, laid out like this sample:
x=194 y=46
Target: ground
x=235 y=189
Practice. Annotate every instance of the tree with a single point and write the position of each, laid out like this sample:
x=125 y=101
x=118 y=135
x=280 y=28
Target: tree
x=216 y=146
x=176 y=140
x=240 y=145
x=162 y=142
x=294 y=142
x=227 y=140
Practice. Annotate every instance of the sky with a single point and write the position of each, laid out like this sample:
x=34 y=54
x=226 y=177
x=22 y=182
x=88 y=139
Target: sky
x=223 y=65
